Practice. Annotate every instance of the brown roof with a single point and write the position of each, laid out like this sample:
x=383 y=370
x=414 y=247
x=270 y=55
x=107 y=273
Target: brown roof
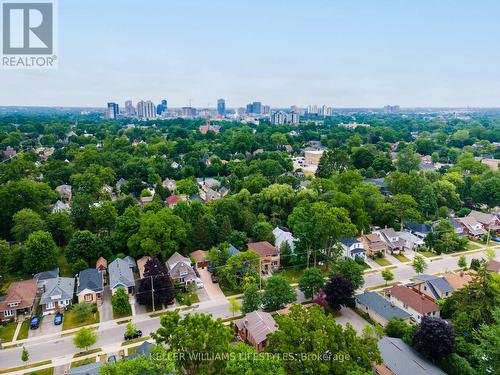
x=413 y=299
x=458 y=280
x=259 y=324
x=263 y=248
x=141 y=263
x=22 y=292
x=101 y=263
x=373 y=238
x=493 y=266
x=199 y=255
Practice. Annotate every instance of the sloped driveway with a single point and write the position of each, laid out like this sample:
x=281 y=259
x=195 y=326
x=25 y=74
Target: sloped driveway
x=213 y=290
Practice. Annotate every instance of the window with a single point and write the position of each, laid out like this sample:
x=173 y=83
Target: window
x=88 y=297
x=49 y=305
x=7 y=313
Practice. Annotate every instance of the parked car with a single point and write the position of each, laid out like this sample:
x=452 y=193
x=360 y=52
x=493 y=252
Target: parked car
x=136 y=335
x=196 y=272
x=495 y=238
x=112 y=359
x=58 y=319
x=35 y=322
x=214 y=278
x=199 y=283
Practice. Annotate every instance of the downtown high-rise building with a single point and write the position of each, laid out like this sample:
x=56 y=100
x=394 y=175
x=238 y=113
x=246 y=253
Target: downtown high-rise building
x=129 y=108
x=254 y=108
x=146 y=110
x=162 y=108
x=113 y=110
x=282 y=118
x=221 y=107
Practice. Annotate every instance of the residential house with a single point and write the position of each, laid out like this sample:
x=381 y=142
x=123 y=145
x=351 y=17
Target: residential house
x=60 y=206
x=410 y=241
x=210 y=195
x=379 y=308
x=394 y=244
x=101 y=265
x=284 y=235
x=472 y=227
x=493 y=266
x=57 y=294
x=64 y=192
x=419 y=230
x=223 y=191
x=131 y=263
x=144 y=349
x=201 y=258
x=145 y=200
x=457 y=228
x=269 y=255
x=141 y=264
x=180 y=269
x=380 y=183
x=435 y=287
x=169 y=184
x=400 y=358
x=413 y=302
x=42 y=277
x=458 y=280
x=121 y=276
x=119 y=184
x=488 y=221
x=353 y=247
x=18 y=300
x=233 y=251
x=89 y=285
x=92 y=368
x=373 y=245
x=9 y=152
x=255 y=327
x=208 y=183
x=172 y=200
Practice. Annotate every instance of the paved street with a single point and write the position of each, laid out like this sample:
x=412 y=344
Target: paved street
x=109 y=333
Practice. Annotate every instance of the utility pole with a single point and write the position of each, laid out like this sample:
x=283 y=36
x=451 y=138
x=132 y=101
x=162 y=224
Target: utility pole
x=260 y=274
x=152 y=293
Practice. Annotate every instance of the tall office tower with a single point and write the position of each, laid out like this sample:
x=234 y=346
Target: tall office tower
x=113 y=111
x=266 y=109
x=129 y=108
x=221 y=107
x=293 y=118
x=146 y=109
x=257 y=108
x=312 y=109
x=278 y=118
x=188 y=112
x=294 y=108
x=249 y=109
x=161 y=108
x=241 y=111
x=391 y=109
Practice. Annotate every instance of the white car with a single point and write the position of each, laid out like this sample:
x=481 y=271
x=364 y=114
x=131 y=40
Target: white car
x=199 y=283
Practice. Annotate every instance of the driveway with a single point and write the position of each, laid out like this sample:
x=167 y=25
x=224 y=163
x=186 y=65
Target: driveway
x=213 y=290
x=105 y=308
x=47 y=326
x=349 y=316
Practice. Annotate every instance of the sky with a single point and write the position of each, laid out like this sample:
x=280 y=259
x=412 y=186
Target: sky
x=352 y=53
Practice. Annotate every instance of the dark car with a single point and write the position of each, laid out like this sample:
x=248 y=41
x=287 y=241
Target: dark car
x=35 y=322
x=58 y=319
x=214 y=278
x=495 y=238
x=136 y=335
x=112 y=359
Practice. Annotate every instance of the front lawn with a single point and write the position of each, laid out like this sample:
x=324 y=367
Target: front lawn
x=187 y=298
x=291 y=274
x=125 y=314
x=47 y=371
x=23 y=332
x=472 y=246
x=382 y=261
x=83 y=362
x=428 y=254
x=70 y=321
x=23 y=367
x=401 y=258
x=7 y=332
x=64 y=267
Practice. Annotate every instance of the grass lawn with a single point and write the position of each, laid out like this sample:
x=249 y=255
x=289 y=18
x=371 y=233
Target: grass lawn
x=47 y=371
x=123 y=315
x=91 y=351
x=69 y=320
x=292 y=275
x=401 y=258
x=64 y=267
x=7 y=332
x=384 y=285
x=472 y=246
x=19 y=368
x=382 y=261
x=132 y=350
x=228 y=292
x=428 y=254
x=133 y=341
x=83 y=362
x=23 y=332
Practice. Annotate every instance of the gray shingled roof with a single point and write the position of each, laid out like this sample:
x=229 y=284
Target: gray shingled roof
x=401 y=359
x=436 y=283
x=381 y=306
x=120 y=274
x=60 y=286
x=88 y=369
x=90 y=279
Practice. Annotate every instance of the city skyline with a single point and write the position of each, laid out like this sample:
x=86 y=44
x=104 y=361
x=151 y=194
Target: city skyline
x=342 y=55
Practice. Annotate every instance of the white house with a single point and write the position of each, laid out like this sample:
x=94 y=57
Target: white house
x=282 y=235
x=353 y=248
x=411 y=241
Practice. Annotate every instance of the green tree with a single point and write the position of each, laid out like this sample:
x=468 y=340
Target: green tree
x=158 y=362
x=25 y=356
x=104 y=216
x=234 y=305
x=40 y=252
x=197 y=339
x=84 y=338
x=263 y=231
x=79 y=265
x=419 y=264
x=120 y=303
x=332 y=161
x=240 y=270
x=277 y=293
x=61 y=227
x=387 y=275
x=81 y=311
x=311 y=282
x=131 y=329
x=84 y=245
x=308 y=331
x=396 y=327
x=251 y=299
x=350 y=270
x=246 y=360
x=25 y=222
x=408 y=160
x=462 y=262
